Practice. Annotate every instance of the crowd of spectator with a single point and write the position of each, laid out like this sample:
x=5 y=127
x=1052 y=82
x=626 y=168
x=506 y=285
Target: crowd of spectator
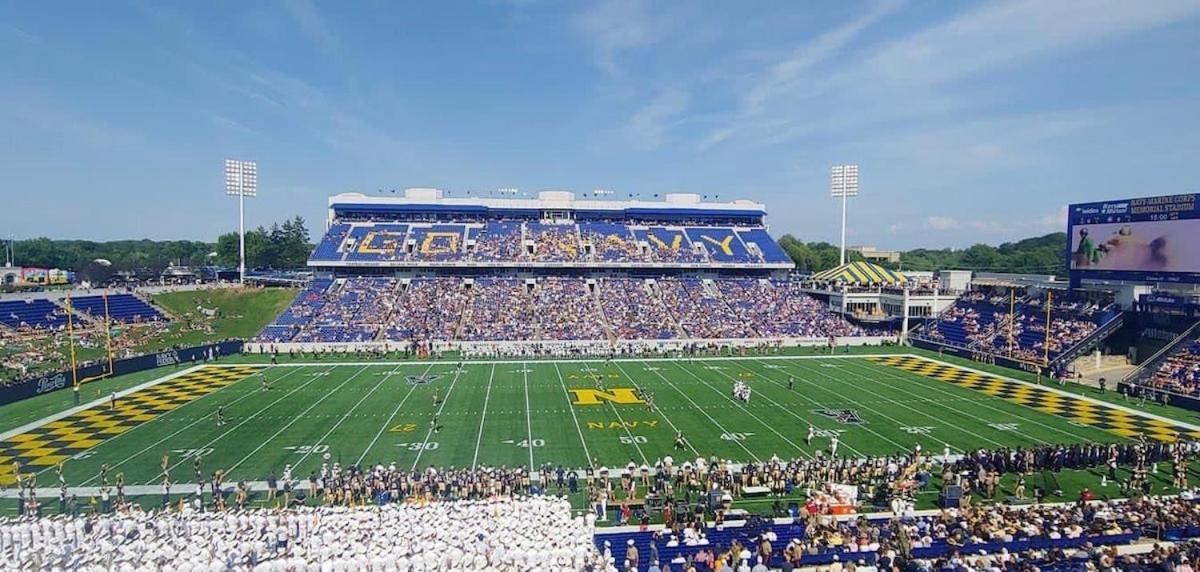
x=499 y=241
x=499 y=534
x=700 y=311
x=567 y=310
x=611 y=243
x=1180 y=372
x=554 y=243
x=633 y=311
x=552 y=308
x=428 y=309
x=981 y=321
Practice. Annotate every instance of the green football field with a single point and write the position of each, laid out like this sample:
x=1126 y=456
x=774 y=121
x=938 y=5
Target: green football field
x=561 y=413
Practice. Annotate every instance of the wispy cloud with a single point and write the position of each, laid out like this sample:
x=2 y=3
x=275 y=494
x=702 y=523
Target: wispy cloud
x=650 y=126
x=1000 y=34
x=310 y=22
x=790 y=73
x=613 y=27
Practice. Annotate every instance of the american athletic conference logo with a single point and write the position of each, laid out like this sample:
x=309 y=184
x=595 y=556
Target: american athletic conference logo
x=421 y=379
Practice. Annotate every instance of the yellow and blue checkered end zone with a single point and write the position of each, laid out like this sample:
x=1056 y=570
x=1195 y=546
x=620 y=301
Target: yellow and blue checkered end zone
x=1074 y=409
x=57 y=441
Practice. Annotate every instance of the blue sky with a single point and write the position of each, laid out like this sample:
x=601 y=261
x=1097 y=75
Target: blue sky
x=971 y=122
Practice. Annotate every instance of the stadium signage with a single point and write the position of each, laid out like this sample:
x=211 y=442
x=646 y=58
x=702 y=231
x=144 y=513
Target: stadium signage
x=51 y=382
x=166 y=358
x=1148 y=239
x=55 y=381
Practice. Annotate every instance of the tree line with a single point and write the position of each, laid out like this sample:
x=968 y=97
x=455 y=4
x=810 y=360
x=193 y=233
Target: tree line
x=1038 y=255
x=282 y=245
x=286 y=245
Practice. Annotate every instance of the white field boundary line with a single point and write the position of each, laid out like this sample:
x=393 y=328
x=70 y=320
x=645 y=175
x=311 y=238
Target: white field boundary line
x=483 y=417
x=388 y=422
x=101 y=401
x=170 y=436
x=1065 y=393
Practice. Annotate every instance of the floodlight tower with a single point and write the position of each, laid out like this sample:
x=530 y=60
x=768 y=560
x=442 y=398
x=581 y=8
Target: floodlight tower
x=844 y=184
x=241 y=181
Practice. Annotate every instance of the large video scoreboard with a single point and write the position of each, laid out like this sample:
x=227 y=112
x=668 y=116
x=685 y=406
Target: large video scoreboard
x=1152 y=239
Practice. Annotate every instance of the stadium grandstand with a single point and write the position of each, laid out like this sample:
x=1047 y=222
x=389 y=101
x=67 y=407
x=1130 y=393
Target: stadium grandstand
x=550 y=269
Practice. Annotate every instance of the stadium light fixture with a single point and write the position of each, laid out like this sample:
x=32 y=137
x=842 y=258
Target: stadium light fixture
x=844 y=184
x=241 y=181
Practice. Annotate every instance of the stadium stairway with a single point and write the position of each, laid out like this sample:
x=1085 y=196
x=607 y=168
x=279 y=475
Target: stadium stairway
x=1092 y=341
x=608 y=329
x=656 y=294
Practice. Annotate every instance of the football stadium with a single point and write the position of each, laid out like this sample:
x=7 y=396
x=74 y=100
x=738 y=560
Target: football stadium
x=442 y=379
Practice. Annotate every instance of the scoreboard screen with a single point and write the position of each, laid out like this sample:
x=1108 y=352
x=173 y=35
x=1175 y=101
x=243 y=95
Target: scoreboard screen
x=1152 y=239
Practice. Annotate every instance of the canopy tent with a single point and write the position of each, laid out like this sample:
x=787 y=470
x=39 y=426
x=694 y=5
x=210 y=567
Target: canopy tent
x=861 y=273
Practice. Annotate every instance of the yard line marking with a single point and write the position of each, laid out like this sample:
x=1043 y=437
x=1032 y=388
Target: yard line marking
x=747 y=410
x=437 y=413
x=819 y=404
x=383 y=379
x=181 y=430
x=962 y=412
x=483 y=416
x=294 y=420
x=933 y=384
x=528 y=420
x=629 y=433
x=710 y=417
x=933 y=442
x=388 y=422
x=658 y=409
x=790 y=412
x=574 y=417
x=918 y=411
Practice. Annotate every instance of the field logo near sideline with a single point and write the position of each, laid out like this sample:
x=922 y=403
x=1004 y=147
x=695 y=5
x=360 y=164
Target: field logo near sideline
x=619 y=395
x=847 y=416
x=421 y=379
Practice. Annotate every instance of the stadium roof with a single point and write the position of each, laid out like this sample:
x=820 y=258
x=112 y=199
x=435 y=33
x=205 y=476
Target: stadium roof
x=436 y=199
x=861 y=273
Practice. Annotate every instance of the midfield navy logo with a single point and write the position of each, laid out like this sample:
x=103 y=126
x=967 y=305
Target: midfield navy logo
x=847 y=416
x=421 y=379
